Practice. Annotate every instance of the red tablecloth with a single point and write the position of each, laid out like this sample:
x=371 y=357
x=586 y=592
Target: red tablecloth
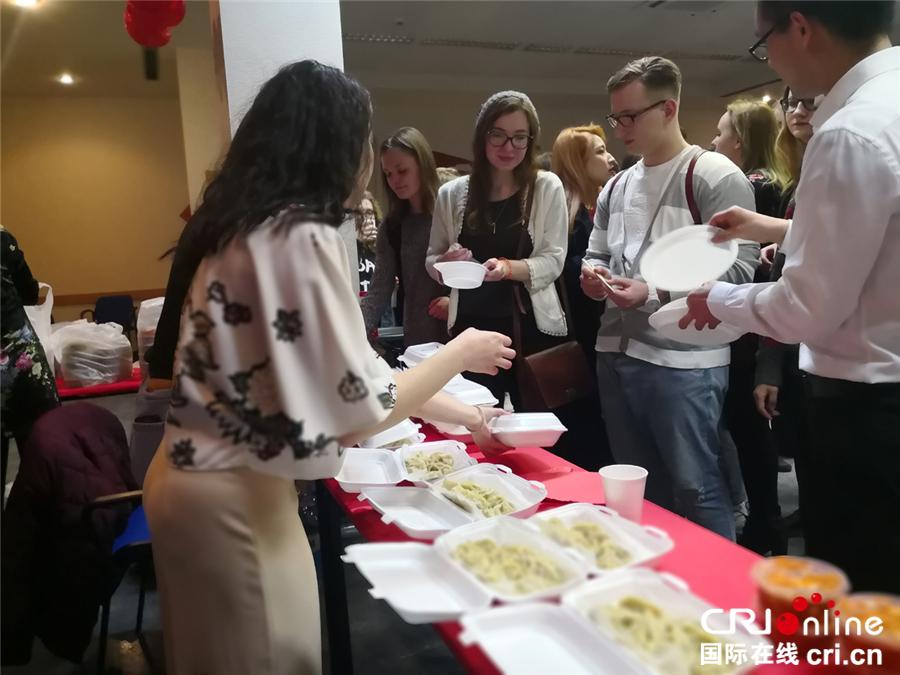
x=718 y=570
x=121 y=387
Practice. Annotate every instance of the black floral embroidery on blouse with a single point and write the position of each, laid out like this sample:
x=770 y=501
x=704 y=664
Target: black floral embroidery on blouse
x=288 y=326
x=388 y=399
x=352 y=388
x=182 y=453
x=234 y=313
x=197 y=356
x=253 y=417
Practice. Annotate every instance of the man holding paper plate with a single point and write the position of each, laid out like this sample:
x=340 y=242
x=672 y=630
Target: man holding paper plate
x=839 y=295
x=662 y=397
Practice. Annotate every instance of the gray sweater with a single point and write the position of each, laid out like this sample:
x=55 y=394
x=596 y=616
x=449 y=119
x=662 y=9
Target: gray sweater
x=419 y=289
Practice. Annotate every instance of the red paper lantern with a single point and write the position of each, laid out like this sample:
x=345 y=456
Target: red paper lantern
x=149 y=22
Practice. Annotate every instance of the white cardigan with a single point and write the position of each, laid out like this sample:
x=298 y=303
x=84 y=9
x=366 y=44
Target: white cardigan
x=548 y=228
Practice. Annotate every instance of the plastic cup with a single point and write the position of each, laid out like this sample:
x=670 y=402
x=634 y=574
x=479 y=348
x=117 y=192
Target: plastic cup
x=623 y=485
x=783 y=579
x=881 y=606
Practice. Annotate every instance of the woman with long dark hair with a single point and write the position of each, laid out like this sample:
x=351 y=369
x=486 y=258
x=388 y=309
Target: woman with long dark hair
x=273 y=377
x=411 y=182
x=511 y=217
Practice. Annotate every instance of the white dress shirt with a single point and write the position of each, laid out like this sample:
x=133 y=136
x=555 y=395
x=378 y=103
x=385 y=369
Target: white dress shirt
x=840 y=292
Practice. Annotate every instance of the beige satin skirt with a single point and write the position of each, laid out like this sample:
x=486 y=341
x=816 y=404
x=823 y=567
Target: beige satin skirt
x=235 y=573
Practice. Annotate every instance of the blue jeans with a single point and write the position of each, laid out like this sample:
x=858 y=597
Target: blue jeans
x=667 y=421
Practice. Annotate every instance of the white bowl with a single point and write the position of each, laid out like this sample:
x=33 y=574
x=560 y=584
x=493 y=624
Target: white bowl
x=461 y=274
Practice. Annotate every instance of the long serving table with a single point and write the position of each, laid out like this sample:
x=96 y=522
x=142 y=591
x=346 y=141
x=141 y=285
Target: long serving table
x=715 y=568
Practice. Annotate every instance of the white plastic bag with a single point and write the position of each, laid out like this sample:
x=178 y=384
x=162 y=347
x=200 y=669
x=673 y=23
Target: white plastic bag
x=39 y=316
x=148 y=316
x=90 y=353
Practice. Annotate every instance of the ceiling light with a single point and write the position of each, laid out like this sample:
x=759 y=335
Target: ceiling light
x=378 y=39
x=26 y=4
x=66 y=79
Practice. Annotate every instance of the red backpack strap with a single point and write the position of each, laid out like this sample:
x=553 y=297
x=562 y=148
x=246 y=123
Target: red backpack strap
x=612 y=185
x=689 y=189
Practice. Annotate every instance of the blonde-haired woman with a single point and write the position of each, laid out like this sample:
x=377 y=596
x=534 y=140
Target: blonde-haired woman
x=746 y=135
x=584 y=165
x=791 y=143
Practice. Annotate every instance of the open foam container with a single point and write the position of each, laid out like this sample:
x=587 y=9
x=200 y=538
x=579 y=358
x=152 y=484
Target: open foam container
x=406 y=433
x=425 y=584
x=540 y=638
x=534 y=638
x=645 y=543
x=425 y=513
x=669 y=593
x=374 y=467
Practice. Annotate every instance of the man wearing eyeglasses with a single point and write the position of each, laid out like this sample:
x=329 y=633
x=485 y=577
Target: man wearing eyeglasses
x=839 y=295
x=661 y=399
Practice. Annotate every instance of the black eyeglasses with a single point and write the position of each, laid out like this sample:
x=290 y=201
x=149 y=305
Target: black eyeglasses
x=760 y=50
x=627 y=119
x=789 y=104
x=499 y=138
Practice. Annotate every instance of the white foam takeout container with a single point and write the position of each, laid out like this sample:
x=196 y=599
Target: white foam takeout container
x=454 y=432
x=463 y=274
x=425 y=513
x=645 y=543
x=538 y=638
x=407 y=430
x=469 y=392
x=511 y=531
x=425 y=584
x=373 y=467
x=528 y=430
x=533 y=638
x=415 y=354
x=669 y=593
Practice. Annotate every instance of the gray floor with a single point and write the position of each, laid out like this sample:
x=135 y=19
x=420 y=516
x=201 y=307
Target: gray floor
x=414 y=649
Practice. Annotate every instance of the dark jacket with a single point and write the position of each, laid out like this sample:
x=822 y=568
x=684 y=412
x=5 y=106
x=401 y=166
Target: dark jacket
x=57 y=565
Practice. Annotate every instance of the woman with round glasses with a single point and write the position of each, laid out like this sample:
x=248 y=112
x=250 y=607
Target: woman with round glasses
x=791 y=142
x=779 y=384
x=513 y=218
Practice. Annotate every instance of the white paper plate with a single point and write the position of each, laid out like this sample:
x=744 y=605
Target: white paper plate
x=686 y=258
x=666 y=319
x=461 y=274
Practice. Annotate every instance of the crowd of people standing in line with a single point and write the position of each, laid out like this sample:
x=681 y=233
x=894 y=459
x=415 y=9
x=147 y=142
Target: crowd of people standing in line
x=267 y=355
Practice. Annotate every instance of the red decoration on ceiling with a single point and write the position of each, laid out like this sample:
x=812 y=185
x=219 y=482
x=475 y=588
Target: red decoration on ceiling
x=150 y=22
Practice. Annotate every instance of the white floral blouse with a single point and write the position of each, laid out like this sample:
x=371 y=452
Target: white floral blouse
x=273 y=365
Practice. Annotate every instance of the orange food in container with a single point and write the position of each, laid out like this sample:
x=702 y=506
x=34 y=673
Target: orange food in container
x=865 y=606
x=796 y=589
